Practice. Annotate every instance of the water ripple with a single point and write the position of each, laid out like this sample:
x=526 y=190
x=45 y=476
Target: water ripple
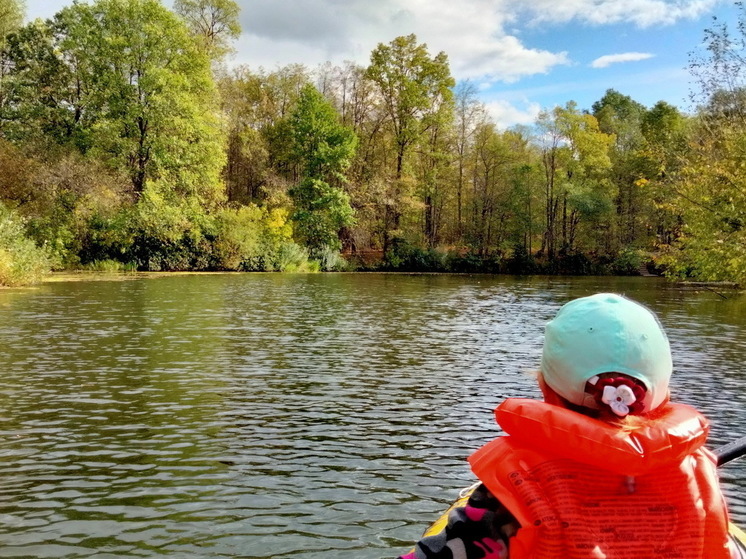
x=281 y=416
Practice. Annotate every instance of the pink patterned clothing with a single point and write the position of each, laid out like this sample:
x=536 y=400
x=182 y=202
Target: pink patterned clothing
x=480 y=530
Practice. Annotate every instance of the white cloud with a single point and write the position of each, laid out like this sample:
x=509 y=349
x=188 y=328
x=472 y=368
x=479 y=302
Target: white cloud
x=481 y=37
x=643 y=13
x=609 y=59
x=477 y=35
x=471 y=32
x=506 y=114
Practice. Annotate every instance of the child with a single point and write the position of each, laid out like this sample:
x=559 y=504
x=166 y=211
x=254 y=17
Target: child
x=604 y=467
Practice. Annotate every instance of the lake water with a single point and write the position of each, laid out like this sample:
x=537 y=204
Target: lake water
x=290 y=416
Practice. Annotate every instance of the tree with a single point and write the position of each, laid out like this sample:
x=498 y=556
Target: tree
x=324 y=149
x=491 y=189
x=710 y=193
x=666 y=131
x=214 y=22
x=469 y=113
x=256 y=108
x=413 y=88
x=621 y=116
x=124 y=81
x=411 y=84
x=11 y=17
x=575 y=156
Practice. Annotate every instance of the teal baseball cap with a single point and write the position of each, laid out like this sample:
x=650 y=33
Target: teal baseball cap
x=605 y=333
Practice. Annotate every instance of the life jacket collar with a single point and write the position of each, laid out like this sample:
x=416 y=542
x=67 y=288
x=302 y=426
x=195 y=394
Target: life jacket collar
x=671 y=433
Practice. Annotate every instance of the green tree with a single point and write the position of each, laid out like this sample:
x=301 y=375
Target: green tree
x=323 y=149
x=621 y=116
x=214 y=22
x=321 y=144
x=575 y=157
x=469 y=113
x=413 y=86
x=11 y=16
x=127 y=84
x=666 y=131
x=710 y=192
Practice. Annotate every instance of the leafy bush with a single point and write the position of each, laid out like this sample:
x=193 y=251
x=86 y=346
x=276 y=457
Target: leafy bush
x=22 y=262
x=573 y=264
x=251 y=238
x=331 y=260
x=473 y=263
x=169 y=235
x=292 y=257
x=237 y=237
x=628 y=262
x=108 y=237
x=403 y=256
x=521 y=262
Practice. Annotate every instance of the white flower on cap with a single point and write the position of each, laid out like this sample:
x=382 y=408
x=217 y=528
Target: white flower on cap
x=619 y=399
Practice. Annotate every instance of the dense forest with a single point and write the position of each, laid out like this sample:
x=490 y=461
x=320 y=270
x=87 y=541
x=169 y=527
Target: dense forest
x=127 y=142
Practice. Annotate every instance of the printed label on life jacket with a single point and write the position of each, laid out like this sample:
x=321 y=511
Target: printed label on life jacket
x=579 y=511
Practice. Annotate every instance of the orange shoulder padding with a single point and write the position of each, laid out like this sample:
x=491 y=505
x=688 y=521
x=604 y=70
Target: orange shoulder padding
x=676 y=431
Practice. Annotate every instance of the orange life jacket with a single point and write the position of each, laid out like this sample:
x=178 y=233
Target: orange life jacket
x=585 y=488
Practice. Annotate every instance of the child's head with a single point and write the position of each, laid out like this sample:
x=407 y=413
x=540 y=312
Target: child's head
x=607 y=352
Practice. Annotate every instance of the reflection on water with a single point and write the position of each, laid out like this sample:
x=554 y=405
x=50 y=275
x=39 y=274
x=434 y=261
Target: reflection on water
x=301 y=416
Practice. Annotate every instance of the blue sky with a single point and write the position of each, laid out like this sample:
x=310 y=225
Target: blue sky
x=523 y=55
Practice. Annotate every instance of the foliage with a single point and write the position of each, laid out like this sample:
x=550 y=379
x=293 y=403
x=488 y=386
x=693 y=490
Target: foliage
x=21 y=260
x=58 y=194
x=575 y=158
x=166 y=235
x=412 y=85
x=257 y=106
x=416 y=96
x=251 y=238
x=320 y=212
x=321 y=145
x=11 y=17
x=331 y=261
x=214 y=22
x=124 y=81
x=406 y=257
x=323 y=149
x=522 y=261
x=117 y=151
x=711 y=198
x=629 y=261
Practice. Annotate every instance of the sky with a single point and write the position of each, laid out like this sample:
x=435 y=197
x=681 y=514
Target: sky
x=521 y=55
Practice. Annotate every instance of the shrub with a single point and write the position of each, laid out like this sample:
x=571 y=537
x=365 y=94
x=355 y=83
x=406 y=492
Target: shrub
x=331 y=260
x=628 y=262
x=22 y=262
x=256 y=239
x=403 y=256
x=521 y=262
x=169 y=235
x=292 y=257
x=238 y=237
x=474 y=263
x=70 y=196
